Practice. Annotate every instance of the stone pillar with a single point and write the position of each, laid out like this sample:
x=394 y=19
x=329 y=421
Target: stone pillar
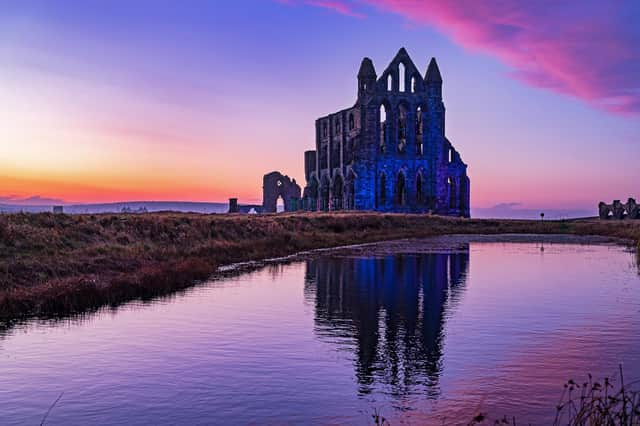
x=233 y=205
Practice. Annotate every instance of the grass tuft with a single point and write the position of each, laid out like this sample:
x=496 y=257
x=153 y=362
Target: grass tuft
x=590 y=403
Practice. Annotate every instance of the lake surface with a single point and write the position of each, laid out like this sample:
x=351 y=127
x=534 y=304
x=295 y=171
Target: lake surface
x=420 y=337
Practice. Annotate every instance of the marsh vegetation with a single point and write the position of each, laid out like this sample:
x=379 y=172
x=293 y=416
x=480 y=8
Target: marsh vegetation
x=60 y=264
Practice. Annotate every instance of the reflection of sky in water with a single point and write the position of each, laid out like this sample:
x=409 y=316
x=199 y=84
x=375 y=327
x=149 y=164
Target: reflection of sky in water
x=426 y=336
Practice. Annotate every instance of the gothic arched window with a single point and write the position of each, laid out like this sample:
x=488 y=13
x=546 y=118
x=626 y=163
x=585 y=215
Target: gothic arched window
x=402 y=128
x=419 y=195
x=419 y=147
x=401 y=190
x=383 y=128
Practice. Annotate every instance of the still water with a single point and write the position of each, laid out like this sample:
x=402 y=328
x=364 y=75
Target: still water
x=426 y=337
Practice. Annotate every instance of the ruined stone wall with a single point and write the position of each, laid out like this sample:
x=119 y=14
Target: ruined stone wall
x=618 y=210
x=276 y=185
x=309 y=164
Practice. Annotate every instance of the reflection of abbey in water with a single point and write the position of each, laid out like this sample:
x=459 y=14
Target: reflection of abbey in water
x=392 y=309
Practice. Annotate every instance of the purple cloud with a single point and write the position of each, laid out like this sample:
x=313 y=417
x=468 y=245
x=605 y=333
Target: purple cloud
x=35 y=200
x=338 y=6
x=589 y=50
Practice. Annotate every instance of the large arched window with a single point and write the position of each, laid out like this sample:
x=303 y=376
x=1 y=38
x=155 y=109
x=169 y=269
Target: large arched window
x=452 y=193
x=419 y=147
x=324 y=193
x=464 y=191
x=414 y=82
x=350 y=190
x=419 y=190
x=338 y=193
x=402 y=128
x=382 y=190
x=401 y=190
x=383 y=128
x=401 y=76
x=313 y=195
x=389 y=83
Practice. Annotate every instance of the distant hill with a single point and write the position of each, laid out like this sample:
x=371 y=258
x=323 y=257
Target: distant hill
x=514 y=211
x=151 y=206
x=500 y=211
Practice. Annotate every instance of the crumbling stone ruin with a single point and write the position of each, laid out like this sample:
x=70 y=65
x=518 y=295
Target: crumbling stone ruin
x=275 y=185
x=618 y=210
x=234 y=207
x=388 y=152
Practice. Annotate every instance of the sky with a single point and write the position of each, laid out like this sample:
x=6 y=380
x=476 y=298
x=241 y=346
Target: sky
x=160 y=100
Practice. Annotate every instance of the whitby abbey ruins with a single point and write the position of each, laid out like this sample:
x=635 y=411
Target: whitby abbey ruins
x=388 y=152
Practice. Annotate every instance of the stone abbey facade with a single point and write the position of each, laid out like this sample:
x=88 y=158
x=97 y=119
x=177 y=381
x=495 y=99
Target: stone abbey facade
x=388 y=152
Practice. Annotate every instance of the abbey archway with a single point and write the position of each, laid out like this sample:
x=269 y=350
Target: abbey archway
x=275 y=185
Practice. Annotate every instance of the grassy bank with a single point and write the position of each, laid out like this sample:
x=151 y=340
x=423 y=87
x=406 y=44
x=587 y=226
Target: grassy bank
x=60 y=264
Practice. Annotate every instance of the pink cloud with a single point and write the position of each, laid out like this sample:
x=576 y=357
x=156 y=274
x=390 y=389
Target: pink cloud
x=588 y=50
x=336 y=6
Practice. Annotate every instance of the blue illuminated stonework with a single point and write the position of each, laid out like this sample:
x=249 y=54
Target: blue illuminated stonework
x=388 y=152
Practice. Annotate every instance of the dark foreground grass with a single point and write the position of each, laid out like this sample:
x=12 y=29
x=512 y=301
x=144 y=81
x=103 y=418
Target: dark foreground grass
x=599 y=403
x=590 y=403
x=59 y=264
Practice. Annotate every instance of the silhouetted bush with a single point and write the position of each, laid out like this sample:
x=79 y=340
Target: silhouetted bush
x=591 y=403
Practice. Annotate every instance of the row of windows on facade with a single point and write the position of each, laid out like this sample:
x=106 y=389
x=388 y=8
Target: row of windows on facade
x=401 y=80
x=401 y=87
x=383 y=118
x=325 y=128
x=400 y=196
x=341 y=199
x=402 y=131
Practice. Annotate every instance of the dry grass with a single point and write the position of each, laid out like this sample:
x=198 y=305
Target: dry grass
x=592 y=403
x=598 y=403
x=61 y=264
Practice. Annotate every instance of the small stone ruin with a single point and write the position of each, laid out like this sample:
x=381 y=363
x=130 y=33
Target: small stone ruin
x=619 y=210
x=276 y=185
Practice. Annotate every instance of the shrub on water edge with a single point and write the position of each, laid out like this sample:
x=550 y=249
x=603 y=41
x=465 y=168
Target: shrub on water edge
x=593 y=403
